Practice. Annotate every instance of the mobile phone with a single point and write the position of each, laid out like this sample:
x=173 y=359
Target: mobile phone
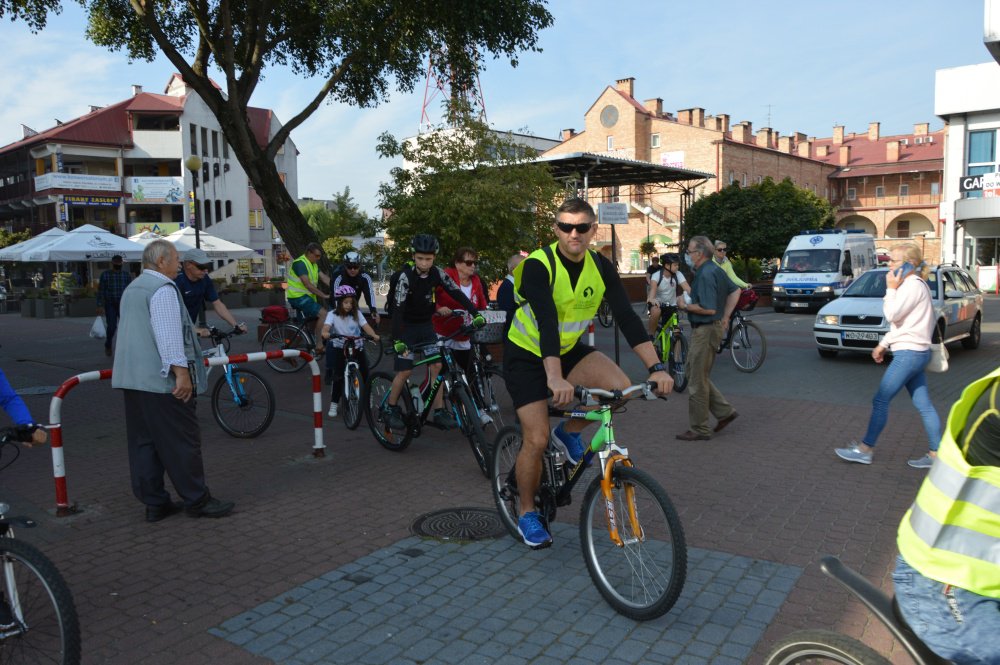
x=905 y=270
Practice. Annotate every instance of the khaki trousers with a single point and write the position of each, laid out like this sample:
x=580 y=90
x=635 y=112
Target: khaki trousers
x=704 y=397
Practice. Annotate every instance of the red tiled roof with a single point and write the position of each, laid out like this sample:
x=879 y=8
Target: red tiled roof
x=888 y=169
x=865 y=152
x=146 y=101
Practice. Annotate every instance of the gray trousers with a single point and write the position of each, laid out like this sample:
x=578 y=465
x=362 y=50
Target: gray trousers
x=164 y=436
x=703 y=396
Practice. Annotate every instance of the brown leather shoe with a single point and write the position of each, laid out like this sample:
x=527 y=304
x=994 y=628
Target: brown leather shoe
x=692 y=436
x=719 y=426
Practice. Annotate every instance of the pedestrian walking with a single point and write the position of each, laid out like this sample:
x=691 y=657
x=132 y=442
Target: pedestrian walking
x=908 y=307
x=158 y=366
x=109 y=295
x=713 y=299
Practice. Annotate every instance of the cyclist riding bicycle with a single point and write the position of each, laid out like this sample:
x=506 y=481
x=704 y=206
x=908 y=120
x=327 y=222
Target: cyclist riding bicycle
x=303 y=291
x=661 y=301
x=349 y=273
x=344 y=319
x=412 y=308
x=562 y=286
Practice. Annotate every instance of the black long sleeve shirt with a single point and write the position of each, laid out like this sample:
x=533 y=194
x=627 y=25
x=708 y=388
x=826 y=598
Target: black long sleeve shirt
x=415 y=297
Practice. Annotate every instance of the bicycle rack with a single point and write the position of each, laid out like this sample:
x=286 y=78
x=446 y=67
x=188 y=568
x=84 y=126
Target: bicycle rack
x=63 y=506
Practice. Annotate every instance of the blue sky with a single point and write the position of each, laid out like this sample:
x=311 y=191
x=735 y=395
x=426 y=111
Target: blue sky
x=811 y=64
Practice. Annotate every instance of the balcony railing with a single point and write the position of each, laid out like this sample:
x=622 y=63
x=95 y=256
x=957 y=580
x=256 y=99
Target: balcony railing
x=890 y=201
x=82 y=181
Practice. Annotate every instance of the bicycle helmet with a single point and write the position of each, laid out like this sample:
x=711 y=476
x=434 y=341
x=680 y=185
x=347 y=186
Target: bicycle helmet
x=424 y=243
x=344 y=291
x=352 y=259
x=667 y=259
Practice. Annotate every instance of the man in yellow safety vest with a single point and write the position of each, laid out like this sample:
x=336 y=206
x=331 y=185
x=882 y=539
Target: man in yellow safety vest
x=303 y=291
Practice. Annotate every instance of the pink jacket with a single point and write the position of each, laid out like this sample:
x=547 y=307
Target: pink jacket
x=910 y=313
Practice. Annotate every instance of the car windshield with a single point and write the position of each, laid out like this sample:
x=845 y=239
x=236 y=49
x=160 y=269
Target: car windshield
x=869 y=285
x=810 y=260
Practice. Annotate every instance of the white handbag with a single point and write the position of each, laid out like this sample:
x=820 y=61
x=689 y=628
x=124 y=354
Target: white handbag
x=939 y=359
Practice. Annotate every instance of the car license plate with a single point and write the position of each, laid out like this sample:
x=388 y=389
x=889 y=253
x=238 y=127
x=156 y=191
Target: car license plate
x=798 y=304
x=850 y=334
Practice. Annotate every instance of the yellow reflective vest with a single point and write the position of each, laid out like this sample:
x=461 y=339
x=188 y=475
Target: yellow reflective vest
x=952 y=532
x=575 y=307
x=296 y=288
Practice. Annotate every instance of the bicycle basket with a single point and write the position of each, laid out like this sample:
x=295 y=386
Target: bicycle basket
x=492 y=332
x=748 y=300
x=274 y=314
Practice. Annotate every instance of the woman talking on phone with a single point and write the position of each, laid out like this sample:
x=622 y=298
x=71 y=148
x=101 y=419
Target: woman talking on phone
x=908 y=309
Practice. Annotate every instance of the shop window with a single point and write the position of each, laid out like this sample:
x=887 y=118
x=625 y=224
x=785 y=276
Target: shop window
x=654 y=141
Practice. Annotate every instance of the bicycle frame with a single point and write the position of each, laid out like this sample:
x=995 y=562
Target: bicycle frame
x=239 y=395
x=428 y=393
x=664 y=334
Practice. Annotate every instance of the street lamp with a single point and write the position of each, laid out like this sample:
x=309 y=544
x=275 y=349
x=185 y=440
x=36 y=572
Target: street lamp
x=193 y=164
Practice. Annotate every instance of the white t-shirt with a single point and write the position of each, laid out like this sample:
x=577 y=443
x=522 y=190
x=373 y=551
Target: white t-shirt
x=666 y=289
x=346 y=325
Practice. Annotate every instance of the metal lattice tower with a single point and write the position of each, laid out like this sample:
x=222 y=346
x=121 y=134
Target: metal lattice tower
x=439 y=86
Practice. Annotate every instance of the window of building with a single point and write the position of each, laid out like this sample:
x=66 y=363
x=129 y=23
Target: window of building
x=732 y=177
x=204 y=141
x=935 y=188
x=879 y=192
x=225 y=148
x=256 y=219
x=904 y=191
x=194 y=139
x=852 y=194
x=654 y=141
x=207 y=218
x=611 y=143
x=982 y=156
x=903 y=228
x=215 y=144
x=218 y=210
x=229 y=209
x=162 y=123
x=760 y=180
x=744 y=179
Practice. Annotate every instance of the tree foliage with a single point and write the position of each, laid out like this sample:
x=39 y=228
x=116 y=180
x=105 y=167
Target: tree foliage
x=757 y=221
x=8 y=238
x=360 y=49
x=469 y=186
x=335 y=247
x=341 y=218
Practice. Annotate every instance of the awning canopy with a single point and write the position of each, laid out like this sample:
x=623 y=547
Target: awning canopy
x=86 y=243
x=659 y=239
x=214 y=246
x=602 y=171
x=16 y=251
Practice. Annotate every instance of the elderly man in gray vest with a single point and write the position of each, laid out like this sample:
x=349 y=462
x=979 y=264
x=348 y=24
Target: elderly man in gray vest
x=159 y=367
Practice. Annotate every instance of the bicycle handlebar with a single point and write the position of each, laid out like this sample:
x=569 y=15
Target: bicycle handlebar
x=217 y=335
x=350 y=338
x=605 y=396
x=22 y=433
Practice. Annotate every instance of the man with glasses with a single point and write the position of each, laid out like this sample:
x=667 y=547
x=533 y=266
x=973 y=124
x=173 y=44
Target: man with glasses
x=722 y=260
x=713 y=299
x=197 y=289
x=562 y=285
x=350 y=274
x=303 y=291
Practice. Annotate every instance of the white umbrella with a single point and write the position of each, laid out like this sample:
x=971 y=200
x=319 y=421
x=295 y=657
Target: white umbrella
x=15 y=252
x=86 y=243
x=146 y=237
x=215 y=247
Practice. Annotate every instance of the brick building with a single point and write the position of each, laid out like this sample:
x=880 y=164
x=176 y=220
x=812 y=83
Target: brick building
x=894 y=181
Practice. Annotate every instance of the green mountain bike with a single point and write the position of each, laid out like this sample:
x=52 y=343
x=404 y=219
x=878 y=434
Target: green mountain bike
x=672 y=347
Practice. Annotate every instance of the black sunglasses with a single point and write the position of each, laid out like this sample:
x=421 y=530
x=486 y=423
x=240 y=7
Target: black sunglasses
x=206 y=267
x=352 y=267
x=720 y=249
x=579 y=228
x=469 y=262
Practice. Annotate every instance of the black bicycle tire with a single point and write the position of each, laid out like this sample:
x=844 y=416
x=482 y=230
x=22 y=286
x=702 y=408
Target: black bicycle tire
x=677 y=363
x=354 y=382
x=738 y=339
x=809 y=645
x=374 y=393
x=218 y=394
x=57 y=594
x=604 y=314
x=471 y=426
x=373 y=351
x=503 y=453
x=601 y=573
x=279 y=340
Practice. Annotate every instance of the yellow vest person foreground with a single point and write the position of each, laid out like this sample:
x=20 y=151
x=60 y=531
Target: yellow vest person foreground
x=296 y=288
x=952 y=532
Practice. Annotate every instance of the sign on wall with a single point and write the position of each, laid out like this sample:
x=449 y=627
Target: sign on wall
x=156 y=190
x=987 y=183
x=673 y=159
x=100 y=201
x=612 y=213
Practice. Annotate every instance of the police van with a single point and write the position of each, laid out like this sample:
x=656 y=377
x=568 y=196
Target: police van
x=818 y=265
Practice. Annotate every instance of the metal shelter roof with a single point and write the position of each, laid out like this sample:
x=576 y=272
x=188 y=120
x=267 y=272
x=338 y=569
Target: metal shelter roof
x=603 y=171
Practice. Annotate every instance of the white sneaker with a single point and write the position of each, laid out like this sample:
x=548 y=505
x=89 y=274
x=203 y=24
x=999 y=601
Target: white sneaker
x=332 y=413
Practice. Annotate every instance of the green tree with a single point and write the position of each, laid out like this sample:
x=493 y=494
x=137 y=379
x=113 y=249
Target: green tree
x=372 y=254
x=335 y=247
x=469 y=186
x=8 y=238
x=757 y=221
x=342 y=218
x=359 y=49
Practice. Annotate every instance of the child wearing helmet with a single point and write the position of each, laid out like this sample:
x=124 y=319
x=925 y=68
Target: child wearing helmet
x=661 y=301
x=344 y=319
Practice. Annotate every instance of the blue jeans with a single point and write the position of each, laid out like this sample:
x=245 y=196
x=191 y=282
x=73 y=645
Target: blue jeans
x=906 y=369
x=956 y=624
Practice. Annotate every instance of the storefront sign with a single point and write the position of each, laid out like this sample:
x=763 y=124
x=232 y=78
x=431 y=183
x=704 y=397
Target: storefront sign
x=156 y=190
x=100 y=183
x=612 y=213
x=674 y=159
x=987 y=183
x=99 y=201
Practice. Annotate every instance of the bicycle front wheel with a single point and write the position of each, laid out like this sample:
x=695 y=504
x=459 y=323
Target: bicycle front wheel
x=353 y=401
x=748 y=346
x=677 y=362
x=45 y=628
x=604 y=314
x=642 y=576
x=470 y=424
x=373 y=351
x=284 y=337
x=245 y=408
x=822 y=646
x=503 y=483
x=391 y=433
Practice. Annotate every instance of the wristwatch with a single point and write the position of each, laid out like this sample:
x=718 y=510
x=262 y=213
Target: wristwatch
x=658 y=367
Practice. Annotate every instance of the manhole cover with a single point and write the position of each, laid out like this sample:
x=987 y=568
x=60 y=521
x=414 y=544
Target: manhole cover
x=460 y=524
x=37 y=390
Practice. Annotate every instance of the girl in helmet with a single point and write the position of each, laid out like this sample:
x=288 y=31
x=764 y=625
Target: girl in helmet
x=661 y=301
x=345 y=319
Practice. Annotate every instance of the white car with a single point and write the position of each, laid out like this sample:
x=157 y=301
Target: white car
x=854 y=321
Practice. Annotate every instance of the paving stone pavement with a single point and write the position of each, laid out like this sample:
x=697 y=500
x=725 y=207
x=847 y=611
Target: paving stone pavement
x=422 y=600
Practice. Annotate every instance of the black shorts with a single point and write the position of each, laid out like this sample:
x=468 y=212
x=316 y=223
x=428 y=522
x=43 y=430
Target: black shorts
x=414 y=335
x=524 y=373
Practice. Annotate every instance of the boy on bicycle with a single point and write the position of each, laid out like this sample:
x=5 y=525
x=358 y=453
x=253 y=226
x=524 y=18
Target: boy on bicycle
x=562 y=286
x=412 y=308
x=661 y=301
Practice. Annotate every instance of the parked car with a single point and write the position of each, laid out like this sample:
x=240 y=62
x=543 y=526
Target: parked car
x=854 y=321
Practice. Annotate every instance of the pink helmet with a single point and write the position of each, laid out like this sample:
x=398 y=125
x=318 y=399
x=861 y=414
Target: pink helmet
x=345 y=291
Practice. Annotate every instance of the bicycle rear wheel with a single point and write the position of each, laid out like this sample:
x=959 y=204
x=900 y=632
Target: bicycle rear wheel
x=373 y=351
x=642 y=577
x=353 y=400
x=748 y=346
x=677 y=363
x=246 y=408
x=470 y=424
x=604 y=314
x=284 y=337
x=391 y=438
x=503 y=483
x=46 y=626
x=822 y=646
